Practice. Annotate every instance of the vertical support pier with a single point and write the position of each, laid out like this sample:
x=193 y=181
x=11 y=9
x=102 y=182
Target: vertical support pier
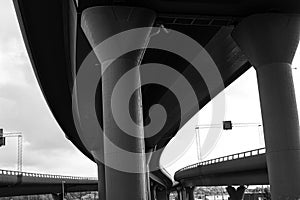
x=270 y=41
x=236 y=194
x=184 y=193
x=153 y=192
x=100 y=23
x=162 y=195
x=190 y=193
x=101 y=181
x=58 y=196
x=179 y=192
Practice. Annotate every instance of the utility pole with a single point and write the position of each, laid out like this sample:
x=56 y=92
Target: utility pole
x=3 y=136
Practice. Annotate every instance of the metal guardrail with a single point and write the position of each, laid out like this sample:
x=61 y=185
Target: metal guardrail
x=226 y=158
x=37 y=175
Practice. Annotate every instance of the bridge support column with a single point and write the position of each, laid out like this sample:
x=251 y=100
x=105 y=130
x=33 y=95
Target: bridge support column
x=57 y=196
x=270 y=41
x=179 y=192
x=184 y=194
x=190 y=193
x=236 y=194
x=153 y=192
x=162 y=195
x=101 y=181
x=124 y=151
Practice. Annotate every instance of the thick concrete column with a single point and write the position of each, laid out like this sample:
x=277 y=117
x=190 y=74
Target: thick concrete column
x=236 y=194
x=124 y=153
x=270 y=41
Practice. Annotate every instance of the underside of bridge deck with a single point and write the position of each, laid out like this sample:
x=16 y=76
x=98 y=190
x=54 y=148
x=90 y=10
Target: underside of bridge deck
x=62 y=39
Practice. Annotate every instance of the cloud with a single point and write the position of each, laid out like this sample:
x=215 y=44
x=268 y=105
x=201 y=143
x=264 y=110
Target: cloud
x=8 y=21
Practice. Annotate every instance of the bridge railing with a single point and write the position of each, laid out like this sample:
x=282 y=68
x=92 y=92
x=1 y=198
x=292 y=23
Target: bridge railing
x=38 y=175
x=245 y=154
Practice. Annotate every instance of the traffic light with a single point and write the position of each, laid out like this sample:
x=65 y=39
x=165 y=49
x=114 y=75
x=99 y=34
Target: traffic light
x=2 y=139
x=227 y=125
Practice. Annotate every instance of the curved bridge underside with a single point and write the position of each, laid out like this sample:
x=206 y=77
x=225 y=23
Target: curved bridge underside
x=57 y=46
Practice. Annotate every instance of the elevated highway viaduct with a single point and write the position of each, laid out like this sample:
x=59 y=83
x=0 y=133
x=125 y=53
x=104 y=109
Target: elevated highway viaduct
x=78 y=67
x=14 y=183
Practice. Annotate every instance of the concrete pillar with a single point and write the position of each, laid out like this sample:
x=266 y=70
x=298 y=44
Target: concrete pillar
x=101 y=181
x=236 y=194
x=58 y=196
x=184 y=194
x=153 y=192
x=150 y=184
x=270 y=41
x=100 y=23
x=190 y=193
x=162 y=195
x=179 y=192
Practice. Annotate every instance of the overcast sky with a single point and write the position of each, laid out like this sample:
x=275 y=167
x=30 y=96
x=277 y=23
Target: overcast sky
x=23 y=108
x=46 y=150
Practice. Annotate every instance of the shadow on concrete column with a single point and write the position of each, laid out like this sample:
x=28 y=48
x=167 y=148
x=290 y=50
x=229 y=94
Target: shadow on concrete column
x=270 y=42
x=100 y=23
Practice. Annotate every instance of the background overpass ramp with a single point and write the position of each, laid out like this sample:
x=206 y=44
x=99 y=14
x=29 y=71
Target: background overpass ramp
x=246 y=168
x=14 y=183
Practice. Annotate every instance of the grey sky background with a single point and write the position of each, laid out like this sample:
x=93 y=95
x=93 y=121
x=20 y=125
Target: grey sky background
x=46 y=150
x=23 y=108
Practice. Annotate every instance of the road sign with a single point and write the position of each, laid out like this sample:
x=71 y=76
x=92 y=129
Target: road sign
x=2 y=139
x=227 y=125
